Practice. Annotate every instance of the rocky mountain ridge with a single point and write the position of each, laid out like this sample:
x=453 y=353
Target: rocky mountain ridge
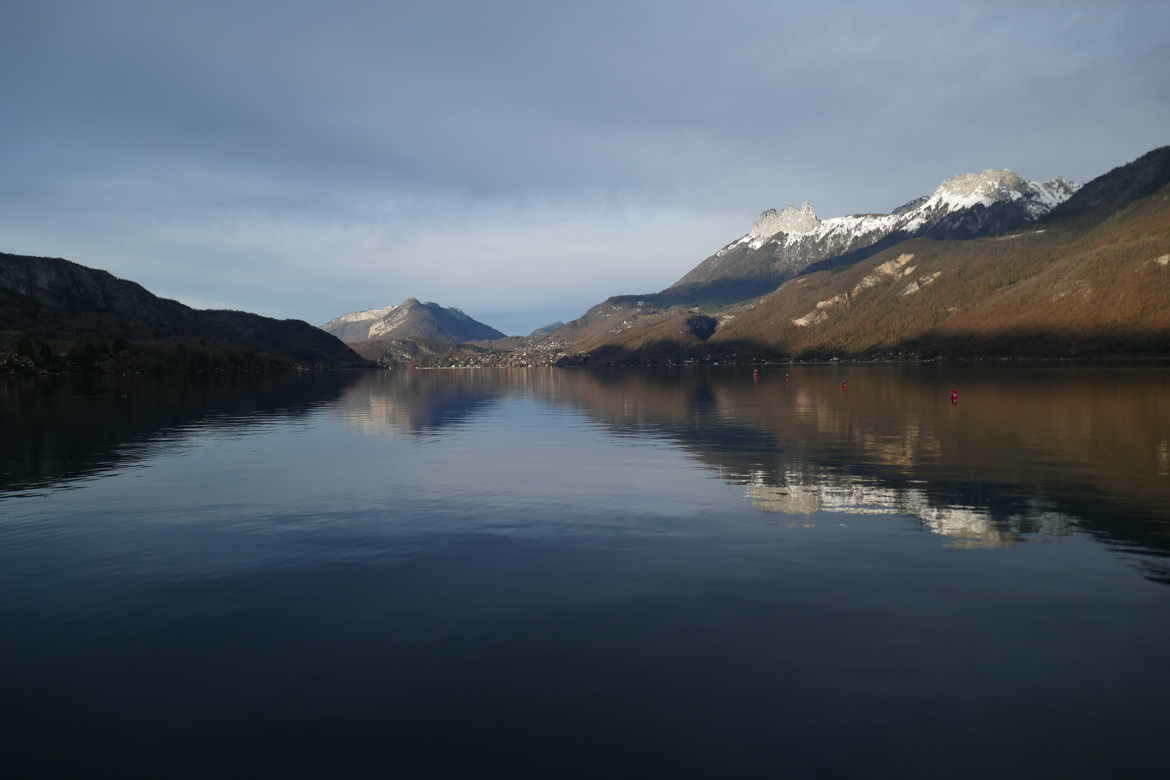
x=783 y=243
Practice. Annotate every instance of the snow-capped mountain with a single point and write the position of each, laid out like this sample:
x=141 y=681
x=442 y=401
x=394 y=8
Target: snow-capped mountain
x=782 y=243
x=355 y=326
x=410 y=319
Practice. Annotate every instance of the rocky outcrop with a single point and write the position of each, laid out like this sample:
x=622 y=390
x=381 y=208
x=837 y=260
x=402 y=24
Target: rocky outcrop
x=789 y=220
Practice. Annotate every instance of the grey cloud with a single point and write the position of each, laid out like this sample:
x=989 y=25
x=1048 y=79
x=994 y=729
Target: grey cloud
x=328 y=144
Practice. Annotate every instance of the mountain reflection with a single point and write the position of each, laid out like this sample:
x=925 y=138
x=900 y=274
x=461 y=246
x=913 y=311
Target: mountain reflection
x=422 y=401
x=55 y=431
x=966 y=526
x=1027 y=451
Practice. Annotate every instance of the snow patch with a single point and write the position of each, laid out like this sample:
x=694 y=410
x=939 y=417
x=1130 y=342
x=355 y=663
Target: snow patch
x=737 y=242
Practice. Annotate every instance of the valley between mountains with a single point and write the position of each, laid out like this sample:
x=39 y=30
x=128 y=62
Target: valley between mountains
x=988 y=265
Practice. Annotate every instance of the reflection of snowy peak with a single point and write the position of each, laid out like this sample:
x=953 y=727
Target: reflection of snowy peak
x=783 y=243
x=967 y=526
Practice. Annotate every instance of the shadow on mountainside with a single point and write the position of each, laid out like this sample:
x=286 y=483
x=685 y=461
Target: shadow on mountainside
x=1016 y=343
x=1043 y=343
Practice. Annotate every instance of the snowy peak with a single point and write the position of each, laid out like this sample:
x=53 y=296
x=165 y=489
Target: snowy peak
x=789 y=220
x=359 y=316
x=968 y=190
x=959 y=205
x=411 y=319
x=949 y=208
x=972 y=189
x=784 y=243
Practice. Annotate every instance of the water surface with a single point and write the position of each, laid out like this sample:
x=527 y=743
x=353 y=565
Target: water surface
x=556 y=573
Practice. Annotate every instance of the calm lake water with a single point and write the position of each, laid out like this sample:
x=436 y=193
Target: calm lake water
x=558 y=573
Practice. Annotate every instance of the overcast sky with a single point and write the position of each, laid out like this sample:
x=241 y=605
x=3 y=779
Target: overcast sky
x=523 y=161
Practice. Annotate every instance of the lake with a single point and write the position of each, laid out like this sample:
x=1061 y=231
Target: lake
x=829 y=571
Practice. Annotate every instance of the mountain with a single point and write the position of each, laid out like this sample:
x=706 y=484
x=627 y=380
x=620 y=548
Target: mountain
x=782 y=244
x=410 y=320
x=61 y=303
x=785 y=243
x=1092 y=277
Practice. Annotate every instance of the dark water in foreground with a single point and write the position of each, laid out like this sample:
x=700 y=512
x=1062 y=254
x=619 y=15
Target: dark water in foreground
x=558 y=573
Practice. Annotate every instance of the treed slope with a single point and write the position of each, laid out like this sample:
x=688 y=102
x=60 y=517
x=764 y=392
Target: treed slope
x=411 y=319
x=1117 y=188
x=57 y=300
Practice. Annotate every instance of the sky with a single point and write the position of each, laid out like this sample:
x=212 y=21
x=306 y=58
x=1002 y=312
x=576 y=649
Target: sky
x=525 y=160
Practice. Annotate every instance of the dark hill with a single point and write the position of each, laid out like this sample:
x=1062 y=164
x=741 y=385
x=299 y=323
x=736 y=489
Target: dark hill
x=1117 y=188
x=69 y=305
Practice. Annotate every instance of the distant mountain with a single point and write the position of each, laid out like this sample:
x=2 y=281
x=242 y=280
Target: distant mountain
x=546 y=330
x=410 y=320
x=1092 y=277
x=66 y=304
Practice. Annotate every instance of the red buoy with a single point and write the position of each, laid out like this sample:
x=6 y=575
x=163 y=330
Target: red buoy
x=756 y=375
x=844 y=386
x=954 y=397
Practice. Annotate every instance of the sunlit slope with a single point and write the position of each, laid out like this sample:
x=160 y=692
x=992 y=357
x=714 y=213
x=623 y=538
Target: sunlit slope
x=1065 y=288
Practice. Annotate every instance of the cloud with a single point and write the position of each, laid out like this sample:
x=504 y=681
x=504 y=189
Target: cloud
x=305 y=158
